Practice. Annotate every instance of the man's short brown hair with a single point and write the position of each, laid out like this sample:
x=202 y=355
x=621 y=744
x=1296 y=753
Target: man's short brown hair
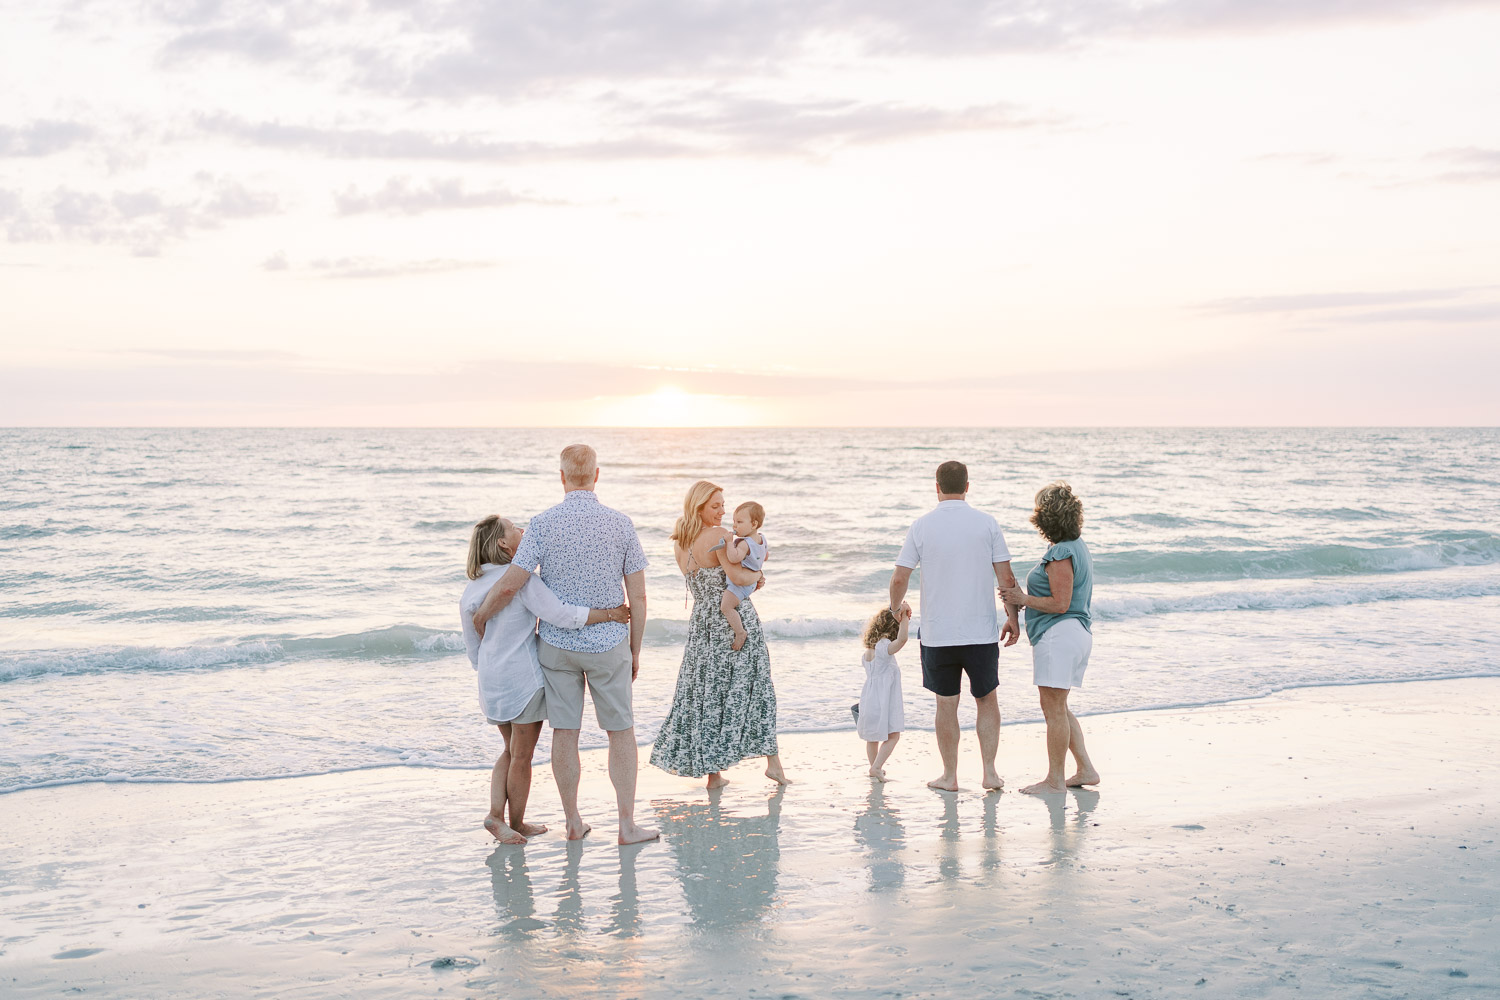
x=953 y=477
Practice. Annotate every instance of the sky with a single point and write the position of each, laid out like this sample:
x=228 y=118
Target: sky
x=726 y=212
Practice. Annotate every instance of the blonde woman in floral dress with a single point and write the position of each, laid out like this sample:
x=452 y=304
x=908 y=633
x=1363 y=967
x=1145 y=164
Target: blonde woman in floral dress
x=724 y=708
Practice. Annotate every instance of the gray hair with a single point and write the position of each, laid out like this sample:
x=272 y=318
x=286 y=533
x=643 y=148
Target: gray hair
x=579 y=463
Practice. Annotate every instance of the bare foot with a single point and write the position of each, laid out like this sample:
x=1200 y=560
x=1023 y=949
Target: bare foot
x=993 y=782
x=632 y=834
x=875 y=772
x=944 y=784
x=1043 y=788
x=717 y=780
x=577 y=832
x=739 y=640
x=530 y=829
x=1090 y=777
x=777 y=775
x=501 y=832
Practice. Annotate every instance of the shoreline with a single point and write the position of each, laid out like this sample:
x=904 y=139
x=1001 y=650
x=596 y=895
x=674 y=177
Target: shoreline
x=542 y=760
x=1336 y=839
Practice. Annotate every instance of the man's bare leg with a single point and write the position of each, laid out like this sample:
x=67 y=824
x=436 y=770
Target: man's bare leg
x=1086 y=773
x=624 y=761
x=495 y=821
x=774 y=770
x=947 y=741
x=565 y=773
x=987 y=728
x=729 y=606
x=1055 y=711
x=518 y=781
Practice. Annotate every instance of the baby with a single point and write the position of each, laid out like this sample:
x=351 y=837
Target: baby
x=749 y=551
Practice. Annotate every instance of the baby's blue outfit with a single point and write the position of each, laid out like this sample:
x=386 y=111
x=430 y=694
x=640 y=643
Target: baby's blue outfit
x=755 y=560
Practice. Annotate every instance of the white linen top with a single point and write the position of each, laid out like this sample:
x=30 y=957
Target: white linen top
x=957 y=547
x=509 y=671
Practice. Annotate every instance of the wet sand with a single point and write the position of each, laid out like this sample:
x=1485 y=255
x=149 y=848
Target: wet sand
x=1332 y=841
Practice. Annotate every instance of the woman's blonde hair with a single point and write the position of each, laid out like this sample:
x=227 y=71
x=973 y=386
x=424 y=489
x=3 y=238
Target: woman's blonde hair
x=690 y=525
x=883 y=626
x=1059 y=514
x=484 y=545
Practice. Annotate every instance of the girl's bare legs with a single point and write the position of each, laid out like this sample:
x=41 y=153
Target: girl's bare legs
x=774 y=770
x=518 y=779
x=495 y=821
x=877 y=765
x=871 y=746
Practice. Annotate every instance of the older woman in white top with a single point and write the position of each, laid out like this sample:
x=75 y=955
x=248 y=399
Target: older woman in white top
x=510 y=675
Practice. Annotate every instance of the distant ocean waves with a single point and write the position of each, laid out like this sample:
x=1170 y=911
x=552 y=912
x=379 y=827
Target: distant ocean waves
x=415 y=642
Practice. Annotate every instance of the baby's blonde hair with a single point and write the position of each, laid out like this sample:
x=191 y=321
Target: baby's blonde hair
x=883 y=626
x=756 y=511
x=484 y=545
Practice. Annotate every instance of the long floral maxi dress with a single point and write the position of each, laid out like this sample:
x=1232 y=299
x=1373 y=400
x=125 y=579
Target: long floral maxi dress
x=724 y=708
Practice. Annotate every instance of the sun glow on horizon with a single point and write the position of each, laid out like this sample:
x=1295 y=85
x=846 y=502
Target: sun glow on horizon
x=671 y=406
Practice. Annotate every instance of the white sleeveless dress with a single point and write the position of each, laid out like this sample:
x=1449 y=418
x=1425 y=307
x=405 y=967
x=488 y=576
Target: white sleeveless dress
x=880 y=710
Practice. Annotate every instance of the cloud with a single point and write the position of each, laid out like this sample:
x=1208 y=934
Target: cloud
x=41 y=138
x=1316 y=301
x=400 y=196
x=465 y=48
x=211 y=356
x=1470 y=164
x=376 y=267
x=1476 y=312
x=143 y=219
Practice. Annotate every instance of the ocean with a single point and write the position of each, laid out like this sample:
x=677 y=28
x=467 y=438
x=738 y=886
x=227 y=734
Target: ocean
x=217 y=605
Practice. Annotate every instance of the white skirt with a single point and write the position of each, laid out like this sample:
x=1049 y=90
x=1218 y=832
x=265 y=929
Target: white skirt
x=1061 y=655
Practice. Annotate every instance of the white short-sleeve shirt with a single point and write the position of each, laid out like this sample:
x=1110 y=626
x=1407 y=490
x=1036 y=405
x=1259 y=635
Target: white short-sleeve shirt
x=957 y=547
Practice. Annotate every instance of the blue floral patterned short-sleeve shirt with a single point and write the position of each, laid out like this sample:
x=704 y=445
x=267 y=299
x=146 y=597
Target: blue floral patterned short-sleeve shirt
x=585 y=551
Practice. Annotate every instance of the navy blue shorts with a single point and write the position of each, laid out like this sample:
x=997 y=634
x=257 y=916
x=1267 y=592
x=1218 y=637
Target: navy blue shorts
x=942 y=665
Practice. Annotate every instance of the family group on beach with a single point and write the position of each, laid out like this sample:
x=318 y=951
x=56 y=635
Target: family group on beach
x=561 y=606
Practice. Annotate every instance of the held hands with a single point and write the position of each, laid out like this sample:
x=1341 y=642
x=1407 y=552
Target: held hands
x=903 y=613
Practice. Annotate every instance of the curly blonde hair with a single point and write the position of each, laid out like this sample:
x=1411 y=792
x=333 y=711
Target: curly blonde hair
x=1059 y=514
x=883 y=626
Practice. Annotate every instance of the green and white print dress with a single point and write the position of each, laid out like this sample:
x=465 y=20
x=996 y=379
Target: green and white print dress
x=724 y=708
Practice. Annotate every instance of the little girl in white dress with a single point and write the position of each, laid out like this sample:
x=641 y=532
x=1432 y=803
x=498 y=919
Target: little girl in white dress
x=880 y=717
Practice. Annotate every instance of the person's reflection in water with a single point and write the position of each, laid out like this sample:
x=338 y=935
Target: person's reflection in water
x=625 y=908
x=569 y=914
x=511 y=882
x=1067 y=837
x=728 y=865
x=948 y=865
x=879 y=830
x=992 y=861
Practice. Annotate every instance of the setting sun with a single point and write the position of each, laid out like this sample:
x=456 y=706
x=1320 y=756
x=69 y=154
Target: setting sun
x=670 y=406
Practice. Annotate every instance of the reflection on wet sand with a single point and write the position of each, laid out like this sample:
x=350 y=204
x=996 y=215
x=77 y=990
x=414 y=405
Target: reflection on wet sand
x=1067 y=837
x=878 y=829
x=728 y=865
x=515 y=903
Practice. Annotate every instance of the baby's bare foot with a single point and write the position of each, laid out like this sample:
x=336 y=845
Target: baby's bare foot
x=739 y=640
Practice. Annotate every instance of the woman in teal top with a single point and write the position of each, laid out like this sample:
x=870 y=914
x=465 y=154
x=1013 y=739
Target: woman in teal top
x=1060 y=629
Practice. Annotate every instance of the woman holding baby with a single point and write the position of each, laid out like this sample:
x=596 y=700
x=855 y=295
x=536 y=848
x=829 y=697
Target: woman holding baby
x=724 y=708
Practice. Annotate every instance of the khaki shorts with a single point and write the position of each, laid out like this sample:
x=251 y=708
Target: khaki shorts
x=609 y=681
x=535 y=711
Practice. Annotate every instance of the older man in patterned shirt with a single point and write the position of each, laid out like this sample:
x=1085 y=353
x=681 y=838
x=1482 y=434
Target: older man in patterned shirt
x=584 y=550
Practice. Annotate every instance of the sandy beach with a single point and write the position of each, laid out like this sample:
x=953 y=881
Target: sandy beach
x=1330 y=841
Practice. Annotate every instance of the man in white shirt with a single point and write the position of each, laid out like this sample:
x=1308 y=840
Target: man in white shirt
x=963 y=555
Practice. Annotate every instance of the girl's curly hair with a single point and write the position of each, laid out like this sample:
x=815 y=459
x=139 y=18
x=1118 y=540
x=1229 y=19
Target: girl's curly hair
x=1059 y=514
x=883 y=626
